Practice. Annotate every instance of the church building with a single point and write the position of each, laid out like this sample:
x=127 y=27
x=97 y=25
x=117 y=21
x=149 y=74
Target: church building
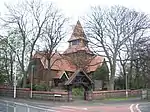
x=65 y=66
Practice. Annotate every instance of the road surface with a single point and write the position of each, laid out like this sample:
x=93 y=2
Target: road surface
x=20 y=105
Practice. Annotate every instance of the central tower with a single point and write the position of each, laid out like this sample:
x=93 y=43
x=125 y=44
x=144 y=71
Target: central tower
x=78 y=52
x=78 y=41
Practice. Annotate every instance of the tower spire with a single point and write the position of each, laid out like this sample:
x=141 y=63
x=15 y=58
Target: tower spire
x=78 y=40
x=78 y=33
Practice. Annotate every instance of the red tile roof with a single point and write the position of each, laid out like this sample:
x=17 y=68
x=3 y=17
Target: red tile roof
x=95 y=63
x=57 y=62
x=61 y=64
x=76 y=48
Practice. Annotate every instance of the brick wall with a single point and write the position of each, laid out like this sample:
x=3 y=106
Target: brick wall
x=9 y=92
x=45 y=95
x=25 y=93
x=115 y=94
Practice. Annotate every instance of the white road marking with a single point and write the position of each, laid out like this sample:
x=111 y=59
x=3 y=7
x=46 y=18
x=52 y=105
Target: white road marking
x=52 y=110
x=7 y=105
x=48 y=108
x=67 y=108
x=137 y=107
x=30 y=106
x=131 y=107
x=85 y=109
x=56 y=108
x=74 y=107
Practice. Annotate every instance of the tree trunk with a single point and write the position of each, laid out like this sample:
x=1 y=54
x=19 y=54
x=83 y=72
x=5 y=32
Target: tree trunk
x=111 y=81
x=24 y=79
x=11 y=71
x=130 y=74
x=11 y=68
x=125 y=78
x=113 y=72
x=48 y=75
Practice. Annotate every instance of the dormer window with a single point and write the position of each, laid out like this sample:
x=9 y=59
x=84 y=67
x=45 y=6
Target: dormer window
x=75 y=42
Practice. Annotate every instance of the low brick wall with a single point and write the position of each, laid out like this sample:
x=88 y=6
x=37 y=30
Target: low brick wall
x=63 y=96
x=115 y=94
x=25 y=93
x=9 y=92
x=6 y=91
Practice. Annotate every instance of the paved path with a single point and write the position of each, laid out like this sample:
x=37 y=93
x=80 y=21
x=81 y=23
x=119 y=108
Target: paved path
x=2 y=108
x=145 y=107
x=132 y=105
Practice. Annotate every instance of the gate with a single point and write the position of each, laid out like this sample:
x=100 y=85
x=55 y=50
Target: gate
x=146 y=94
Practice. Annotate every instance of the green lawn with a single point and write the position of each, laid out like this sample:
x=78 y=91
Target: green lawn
x=119 y=99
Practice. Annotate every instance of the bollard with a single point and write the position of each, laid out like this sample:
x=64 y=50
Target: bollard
x=14 y=107
x=28 y=108
x=6 y=106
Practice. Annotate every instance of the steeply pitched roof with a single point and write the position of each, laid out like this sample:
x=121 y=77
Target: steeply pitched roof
x=70 y=81
x=77 y=48
x=95 y=63
x=62 y=64
x=57 y=62
x=78 y=33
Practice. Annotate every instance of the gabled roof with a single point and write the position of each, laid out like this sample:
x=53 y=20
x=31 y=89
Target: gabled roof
x=74 y=76
x=95 y=63
x=57 y=62
x=62 y=64
x=78 y=33
x=60 y=74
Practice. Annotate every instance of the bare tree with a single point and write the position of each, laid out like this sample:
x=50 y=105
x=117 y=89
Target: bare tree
x=142 y=63
x=28 y=19
x=7 y=56
x=4 y=60
x=53 y=34
x=123 y=61
x=110 y=28
x=81 y=60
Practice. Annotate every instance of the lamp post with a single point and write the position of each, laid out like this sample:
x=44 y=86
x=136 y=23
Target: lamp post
x=15 y=74
x=31 y=80
x=126 y=85
x=15 y=83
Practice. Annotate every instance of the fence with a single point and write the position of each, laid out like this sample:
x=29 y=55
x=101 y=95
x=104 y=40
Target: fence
x=148 y=94
x=7 y=106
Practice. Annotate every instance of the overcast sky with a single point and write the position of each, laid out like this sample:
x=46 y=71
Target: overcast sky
x=76 y=9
